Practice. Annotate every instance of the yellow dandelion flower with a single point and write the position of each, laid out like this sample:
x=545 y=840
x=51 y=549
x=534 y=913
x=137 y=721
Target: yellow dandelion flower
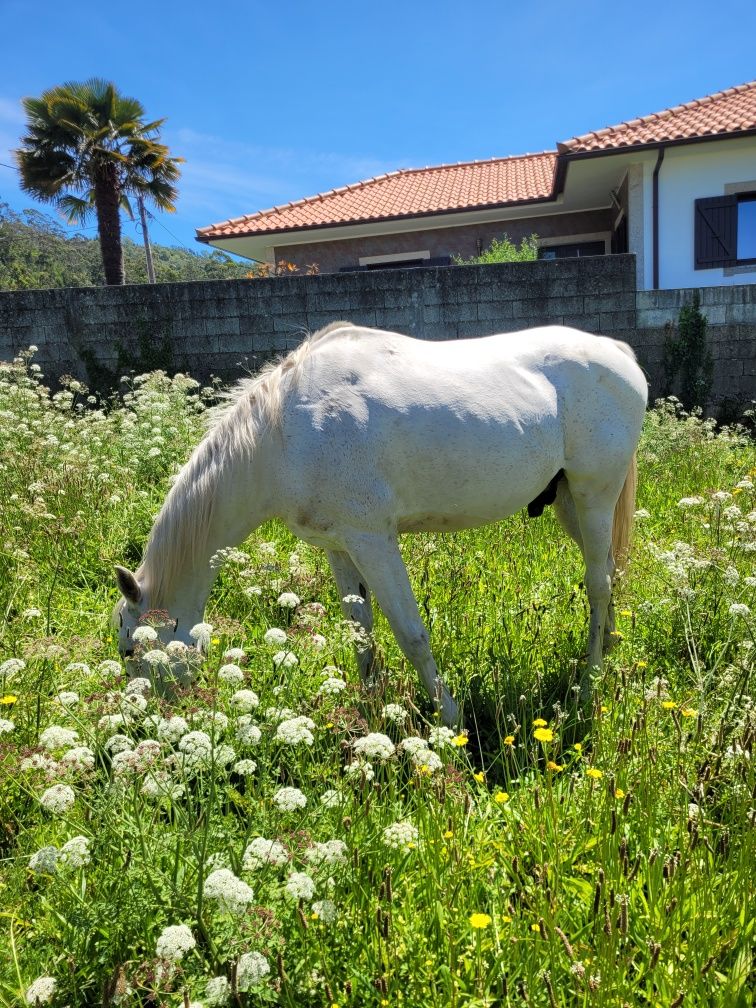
x=501 y=797
x=509 y=740
x=689 y=712
x=604 y=709
x=594 y=772
x=448 y=835
x=626 y=612
x=669 y=704
x=534 y=927
x=479 y=920
x=578 y=747
x=479 y=776
x=540 y=723
x=506 y=920
x=619 y=793
x=215 y=640
x=616 y=633
x=8 y=700
x=544 y=734
x=551 y=765
x=642 y=664
x=736 y=491
x=329 y=724
x=459 y=740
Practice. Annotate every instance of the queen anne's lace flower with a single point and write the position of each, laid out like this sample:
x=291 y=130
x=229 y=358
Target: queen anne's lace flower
x=230 y=674
x=41 y=991
x=413 y=744
x=325 y=910
x=57 y=737
x=174 y=942
x=246 y=731
x=296 y=731
x=67 y=698
x=11 y=666
x=263 y=852
x=245 y=767
x=251 y=969
x=45 y=860
x=58 y=799
x=739 y=609
x=80 y=758
x=171 y=729
x=394 y=713
x=359 y=768
x=6 y=726
x=234 y=654
x=332 y=799
x=374 y=746
x=138 y=685
x=439 y=736
x=329 y=852
x=75 y=852
x=245 y=700
x=332 y=686
x=288 y=600
x=118 y=743
x=227 y=891
x=300 y=885
x=218 y=991
x=287 y=659
x=400 y=835
x=289 y=798
x=144 y=634
x=275 y=636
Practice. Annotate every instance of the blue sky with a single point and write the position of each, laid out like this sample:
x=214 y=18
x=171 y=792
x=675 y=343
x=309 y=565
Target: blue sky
x=270 y=102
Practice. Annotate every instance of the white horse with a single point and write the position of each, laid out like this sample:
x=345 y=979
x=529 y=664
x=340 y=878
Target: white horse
x=360 y=435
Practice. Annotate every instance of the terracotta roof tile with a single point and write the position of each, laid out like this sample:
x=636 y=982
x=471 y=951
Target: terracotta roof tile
x=405 y=193
x=730 y=111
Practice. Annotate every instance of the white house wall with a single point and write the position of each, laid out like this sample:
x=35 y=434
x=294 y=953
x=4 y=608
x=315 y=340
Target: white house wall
x=689 y=173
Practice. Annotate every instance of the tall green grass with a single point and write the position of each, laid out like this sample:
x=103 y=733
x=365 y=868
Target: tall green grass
x=601 y=860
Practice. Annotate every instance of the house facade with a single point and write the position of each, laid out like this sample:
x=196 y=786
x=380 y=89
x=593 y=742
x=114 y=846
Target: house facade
x=677 y=189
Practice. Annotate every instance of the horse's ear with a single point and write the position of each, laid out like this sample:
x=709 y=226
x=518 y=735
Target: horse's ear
x=128 y=585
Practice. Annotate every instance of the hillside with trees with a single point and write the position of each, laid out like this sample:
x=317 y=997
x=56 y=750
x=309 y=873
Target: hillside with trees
x=35 y=252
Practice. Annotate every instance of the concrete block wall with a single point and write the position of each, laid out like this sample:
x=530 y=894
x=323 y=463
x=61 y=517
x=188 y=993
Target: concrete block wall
x=230 y=328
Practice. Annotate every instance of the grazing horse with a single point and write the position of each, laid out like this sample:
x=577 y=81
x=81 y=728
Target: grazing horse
x=359 y=435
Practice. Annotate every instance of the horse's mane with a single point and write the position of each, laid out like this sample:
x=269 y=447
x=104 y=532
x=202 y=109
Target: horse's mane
x=182 y=527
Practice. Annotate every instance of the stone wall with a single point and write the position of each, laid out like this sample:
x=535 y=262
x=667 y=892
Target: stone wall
x=229 y=328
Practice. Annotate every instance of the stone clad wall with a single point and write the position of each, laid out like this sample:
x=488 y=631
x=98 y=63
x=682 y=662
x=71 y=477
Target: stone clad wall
x=229 y=328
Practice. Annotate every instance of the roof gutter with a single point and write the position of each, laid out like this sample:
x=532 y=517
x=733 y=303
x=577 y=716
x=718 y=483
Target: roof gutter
x=655 y=212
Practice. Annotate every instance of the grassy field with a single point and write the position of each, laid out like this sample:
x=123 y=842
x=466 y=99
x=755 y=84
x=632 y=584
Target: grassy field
x=275 y=836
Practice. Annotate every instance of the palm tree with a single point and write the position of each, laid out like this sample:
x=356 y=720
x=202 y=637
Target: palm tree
x=87 y=147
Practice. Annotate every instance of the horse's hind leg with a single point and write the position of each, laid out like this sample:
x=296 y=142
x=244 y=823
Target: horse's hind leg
x=390 y=583
x=351 y=586
x=595 y=518
x=566 y=514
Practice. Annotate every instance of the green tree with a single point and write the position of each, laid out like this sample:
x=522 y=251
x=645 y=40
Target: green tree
x=87 y=147
x=504 y=250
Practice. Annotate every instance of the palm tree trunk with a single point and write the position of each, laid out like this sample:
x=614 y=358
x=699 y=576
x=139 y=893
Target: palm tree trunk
x=107 y=200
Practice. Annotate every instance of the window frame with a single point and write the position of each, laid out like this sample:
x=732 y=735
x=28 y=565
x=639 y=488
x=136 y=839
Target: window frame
x=727 y=204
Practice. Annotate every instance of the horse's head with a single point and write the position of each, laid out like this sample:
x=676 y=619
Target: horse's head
x=144 y=632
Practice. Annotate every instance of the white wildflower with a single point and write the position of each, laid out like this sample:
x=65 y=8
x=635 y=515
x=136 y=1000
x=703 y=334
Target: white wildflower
x=218 y=991
x=67 y=698
x=202 y=633
x=296 y=731
x=245 y=767
x=79 y=666
x=177 y=649
x=174 y=942
x=332 y=799
x=427 y=761
x=230 y=674
x=267 y=549
x=75 y=852
x=325 y=910
x=118 y=743
x=12 y=666
x=413 y=744
x=197 y=748
x=739 y=609
x=332 y=686
x=41 y=991
x=144 y=634
x=156 y=657
x=58 y=799
x=353 y=600
x=400 y=835
x=227 y=891
x=275 y=636
x=109 y=722
x=215 y=722
x=245 y=700
x=440 y=737
x=686 y=503
x=721 y=496
x=109 y=667
x=264 y=852
x=289 y=798
x=288 y=600
x=6 y=726
x=171 y=729
x=287 y=659
x=642 y=513
x=80 y=758
x=374 y=746
x=359 y=768
x=251 y=969
x=57 y=737
x=138 y=685
x=395 y=713
x=330 y=852
x=45 y=861
x=300 y=885
x=246 y=731
x=234 y=654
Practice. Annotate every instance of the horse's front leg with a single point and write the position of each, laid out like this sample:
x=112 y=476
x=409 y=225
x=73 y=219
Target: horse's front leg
x=352 y=586
x=379 y=554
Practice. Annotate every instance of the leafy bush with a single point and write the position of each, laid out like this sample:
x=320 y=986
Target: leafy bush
x=503 y=250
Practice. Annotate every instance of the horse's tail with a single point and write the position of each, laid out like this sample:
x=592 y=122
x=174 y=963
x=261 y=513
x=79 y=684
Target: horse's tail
x=624 y=513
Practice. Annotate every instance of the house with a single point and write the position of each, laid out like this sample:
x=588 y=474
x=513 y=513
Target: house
x=677 y=188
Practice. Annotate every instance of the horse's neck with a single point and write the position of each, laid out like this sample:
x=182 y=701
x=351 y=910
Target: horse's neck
x=205 y=512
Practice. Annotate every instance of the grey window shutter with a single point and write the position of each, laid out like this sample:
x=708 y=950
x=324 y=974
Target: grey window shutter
x=716 y=232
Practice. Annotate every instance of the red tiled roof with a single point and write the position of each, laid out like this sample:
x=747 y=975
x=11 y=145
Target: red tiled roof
x=407 y=193
x=730 y=111
x=498 y=182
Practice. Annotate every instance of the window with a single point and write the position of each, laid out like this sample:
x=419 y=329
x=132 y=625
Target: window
x=591 y=248
x=725 y=231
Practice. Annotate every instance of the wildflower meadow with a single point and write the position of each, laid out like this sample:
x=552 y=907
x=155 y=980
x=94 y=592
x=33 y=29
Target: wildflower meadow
x=273 y=834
